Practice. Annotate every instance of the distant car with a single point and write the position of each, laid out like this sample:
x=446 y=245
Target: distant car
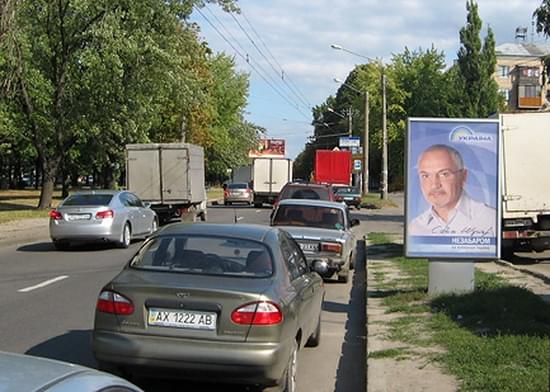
x=238 y=192
x=102 y=215
x=305 y=190
x=348 y=194
x=19 y=372
x=223 y=302
x=323 y=231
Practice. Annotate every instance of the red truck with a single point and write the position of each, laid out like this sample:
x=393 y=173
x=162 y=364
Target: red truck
x=333 y=167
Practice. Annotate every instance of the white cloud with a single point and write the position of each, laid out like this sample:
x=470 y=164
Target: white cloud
x=299 y=34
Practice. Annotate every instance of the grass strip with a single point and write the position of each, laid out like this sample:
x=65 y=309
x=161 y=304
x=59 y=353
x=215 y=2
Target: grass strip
x=496 y=338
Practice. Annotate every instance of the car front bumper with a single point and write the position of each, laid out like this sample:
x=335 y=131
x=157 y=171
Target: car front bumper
x=224 y=361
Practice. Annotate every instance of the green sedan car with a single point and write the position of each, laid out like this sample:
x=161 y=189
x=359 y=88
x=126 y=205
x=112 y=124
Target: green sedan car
x=231 y=303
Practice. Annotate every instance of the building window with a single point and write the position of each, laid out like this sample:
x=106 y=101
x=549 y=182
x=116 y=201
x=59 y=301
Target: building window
x=503 y=71
x=530 y=72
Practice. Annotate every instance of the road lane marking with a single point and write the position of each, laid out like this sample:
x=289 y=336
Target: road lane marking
x=258 y=210
x=43 y=284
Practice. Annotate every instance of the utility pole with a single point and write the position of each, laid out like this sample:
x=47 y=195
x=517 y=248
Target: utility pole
x=349 y=122
x=366 y=148
x=384 y=184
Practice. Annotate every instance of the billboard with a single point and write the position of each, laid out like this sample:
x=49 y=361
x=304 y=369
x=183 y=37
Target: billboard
x=452 y=193
x=269 y=148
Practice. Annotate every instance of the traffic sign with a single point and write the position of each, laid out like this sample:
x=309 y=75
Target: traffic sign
x=357 y=165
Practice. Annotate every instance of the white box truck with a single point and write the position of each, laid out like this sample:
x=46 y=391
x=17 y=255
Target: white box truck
x=267 y=177
x=525 y=182
x=170 y=177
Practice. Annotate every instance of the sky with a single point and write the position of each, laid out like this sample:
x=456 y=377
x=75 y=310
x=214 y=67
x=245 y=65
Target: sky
x=285 y=46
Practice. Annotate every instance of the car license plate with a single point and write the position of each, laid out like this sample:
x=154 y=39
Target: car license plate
x=309 y=247
x=182 y=319
x=76 y=217
x=348 y=198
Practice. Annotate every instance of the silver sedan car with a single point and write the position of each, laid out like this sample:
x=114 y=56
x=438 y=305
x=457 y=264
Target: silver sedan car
x=323 y=231
x=102 y=215
x=27 y=373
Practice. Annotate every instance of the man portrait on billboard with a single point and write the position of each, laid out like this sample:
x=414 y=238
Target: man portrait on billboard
x=443 y=176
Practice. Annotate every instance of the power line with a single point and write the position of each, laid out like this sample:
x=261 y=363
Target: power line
x=269 y=62
x=247 y=60
x=274 y=59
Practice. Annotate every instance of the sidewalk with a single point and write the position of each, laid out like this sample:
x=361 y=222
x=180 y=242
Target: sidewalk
x=415 y=371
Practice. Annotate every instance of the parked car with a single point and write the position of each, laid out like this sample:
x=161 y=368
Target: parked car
x=305 y=190
x=233 y=303
x=19 y=372
x=350 y=195
x=113 y=216
x=323 y=231
x=237 y=192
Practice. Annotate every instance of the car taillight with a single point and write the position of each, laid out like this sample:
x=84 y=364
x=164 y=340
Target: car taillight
x=105 y=214
x=338 y=198
x=331 y=247
x=111 y=302
x=56 y=215
x=257 y=313
x=225 y=193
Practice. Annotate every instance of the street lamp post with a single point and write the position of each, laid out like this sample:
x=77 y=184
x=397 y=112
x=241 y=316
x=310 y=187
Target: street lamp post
x=349 y=114
x=365 y=138
x=384 y=181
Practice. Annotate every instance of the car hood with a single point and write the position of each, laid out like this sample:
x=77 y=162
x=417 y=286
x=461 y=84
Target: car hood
x=314 y=233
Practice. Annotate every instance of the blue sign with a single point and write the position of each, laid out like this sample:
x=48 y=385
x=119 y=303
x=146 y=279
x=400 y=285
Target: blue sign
x=453 y=198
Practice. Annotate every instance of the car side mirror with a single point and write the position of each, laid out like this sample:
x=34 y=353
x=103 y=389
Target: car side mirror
x=355 y=222
x=319 y=266
x=146 y=204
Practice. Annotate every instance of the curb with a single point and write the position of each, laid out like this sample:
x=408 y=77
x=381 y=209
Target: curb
x=535 y=274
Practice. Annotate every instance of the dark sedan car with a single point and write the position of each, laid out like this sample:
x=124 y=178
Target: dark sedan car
x=348 y=194
x=231 y=303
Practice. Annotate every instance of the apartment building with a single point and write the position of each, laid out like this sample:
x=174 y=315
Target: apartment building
x=522 y=76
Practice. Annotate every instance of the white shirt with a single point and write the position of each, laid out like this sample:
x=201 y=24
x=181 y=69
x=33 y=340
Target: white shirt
x=468 y=218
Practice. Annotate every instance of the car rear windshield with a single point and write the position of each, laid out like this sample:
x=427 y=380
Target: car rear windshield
x=205 y=255
x=305 y=193
x=238 y=185
x=311 y=216
x=88 y=200
x=346 y=189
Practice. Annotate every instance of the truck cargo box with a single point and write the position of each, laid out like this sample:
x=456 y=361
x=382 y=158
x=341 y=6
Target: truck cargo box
x=333 y=167
x=166 y=173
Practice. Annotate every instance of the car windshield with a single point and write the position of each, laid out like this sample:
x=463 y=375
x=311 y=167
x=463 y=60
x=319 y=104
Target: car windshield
x=346 y=189
x=311 y=216
x=205 y=255
x=88 y=200
x=305 y=193
x=238 y=185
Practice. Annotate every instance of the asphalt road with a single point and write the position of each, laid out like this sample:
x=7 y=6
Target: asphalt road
x=47 y=301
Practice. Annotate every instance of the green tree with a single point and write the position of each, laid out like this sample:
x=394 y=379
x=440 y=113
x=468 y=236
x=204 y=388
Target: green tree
x=476 y=65
x=100 y=74
x=542 y=15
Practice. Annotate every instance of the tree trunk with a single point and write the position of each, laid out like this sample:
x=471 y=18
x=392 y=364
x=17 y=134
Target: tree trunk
x=49 y=173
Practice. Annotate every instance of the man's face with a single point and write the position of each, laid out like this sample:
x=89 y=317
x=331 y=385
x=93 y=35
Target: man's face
x=440 y=179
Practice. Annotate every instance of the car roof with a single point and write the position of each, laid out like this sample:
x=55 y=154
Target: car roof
x=21 y=372
x=307 y=184
x=239 y=230
x=314 y=203
x=99 y=192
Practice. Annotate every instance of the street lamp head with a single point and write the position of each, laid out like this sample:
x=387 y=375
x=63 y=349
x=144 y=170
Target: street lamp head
x=338 y=80
x=336 y=46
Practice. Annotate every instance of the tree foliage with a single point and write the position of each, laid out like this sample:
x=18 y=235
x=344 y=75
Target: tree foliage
x=476 y=65
x=89 y=77
x=542 y=15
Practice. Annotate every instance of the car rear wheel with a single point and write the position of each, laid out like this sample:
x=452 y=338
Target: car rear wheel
x=125 y=236
x=315 y=339
x=343 y=276
x=289 y=380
